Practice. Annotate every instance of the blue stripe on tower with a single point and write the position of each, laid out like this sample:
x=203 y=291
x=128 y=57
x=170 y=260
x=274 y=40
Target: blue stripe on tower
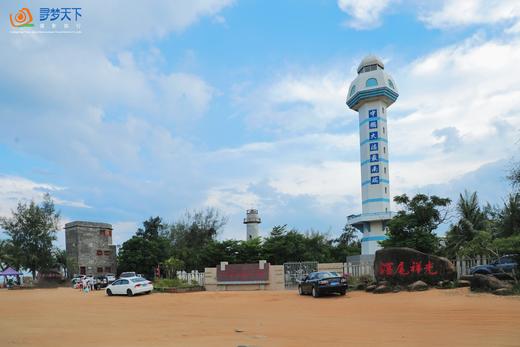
x=374 y=238
x=369 y=119
x=368 y=201
x=382 y=160
x=380 y=139
x=381 y=180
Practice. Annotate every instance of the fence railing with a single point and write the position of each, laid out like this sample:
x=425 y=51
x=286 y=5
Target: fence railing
x=463 y=265
x=191 y=276
x=359 y=269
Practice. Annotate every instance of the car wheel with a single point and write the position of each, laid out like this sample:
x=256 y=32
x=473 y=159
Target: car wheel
x=315 y=293
x=300 y=290
x=109 y=292
x=148 y=292
x=343 y=292
x=129 y=292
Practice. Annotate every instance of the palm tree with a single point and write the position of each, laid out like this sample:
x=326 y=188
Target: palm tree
x=510 y=217
x=471 y=220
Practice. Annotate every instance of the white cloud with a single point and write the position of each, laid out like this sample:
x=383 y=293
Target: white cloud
x=453 y=13
x=365 y=14
x=15 y=188
x=123 y=230
x=297 y=102
x=185 y=94
x=232 y=199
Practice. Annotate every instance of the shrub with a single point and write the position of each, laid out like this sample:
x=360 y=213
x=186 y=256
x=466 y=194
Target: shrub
x=172 y=283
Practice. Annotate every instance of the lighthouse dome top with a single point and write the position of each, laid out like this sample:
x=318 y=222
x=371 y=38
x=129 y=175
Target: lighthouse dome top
x=370 y=61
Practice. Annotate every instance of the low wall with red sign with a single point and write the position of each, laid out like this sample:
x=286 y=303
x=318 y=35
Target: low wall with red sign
x=243 y=273
x=257 y=276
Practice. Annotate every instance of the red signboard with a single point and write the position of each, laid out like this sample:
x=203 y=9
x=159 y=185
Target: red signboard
x=243 y=273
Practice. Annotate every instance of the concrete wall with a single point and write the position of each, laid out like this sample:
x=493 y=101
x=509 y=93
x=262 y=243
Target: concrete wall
x=333 y=267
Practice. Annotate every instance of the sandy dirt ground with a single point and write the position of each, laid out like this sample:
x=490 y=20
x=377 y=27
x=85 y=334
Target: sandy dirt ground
x=67 y=317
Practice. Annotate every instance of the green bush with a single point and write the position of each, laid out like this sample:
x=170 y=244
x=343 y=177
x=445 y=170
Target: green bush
x=172 y=283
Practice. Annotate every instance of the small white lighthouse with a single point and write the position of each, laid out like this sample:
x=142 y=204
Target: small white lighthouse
x=371 y=93
x=252 y=221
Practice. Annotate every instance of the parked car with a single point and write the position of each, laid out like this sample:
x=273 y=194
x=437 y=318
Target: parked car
x=129 y=286
x=100 y=282
x=322 y=282
x=502 y=268
x=127 y=274
x=111 y=278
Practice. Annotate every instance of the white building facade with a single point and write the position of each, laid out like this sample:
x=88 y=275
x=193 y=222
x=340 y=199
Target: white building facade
x=370 y=94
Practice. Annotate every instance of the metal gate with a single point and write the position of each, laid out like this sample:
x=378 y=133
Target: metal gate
x=293 y=272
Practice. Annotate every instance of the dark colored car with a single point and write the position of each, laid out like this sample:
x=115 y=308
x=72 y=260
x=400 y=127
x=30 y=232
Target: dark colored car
x=100 y=282
x=501 y=268
x=322 y=282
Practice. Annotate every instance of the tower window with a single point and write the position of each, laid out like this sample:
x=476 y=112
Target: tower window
x=384 y=150
x=384 y=169
x=383 y=130
x=369 y=68
x=383 y=109
x=371 y=82
x=391 y=84
x=352 y=90
x=386 y=190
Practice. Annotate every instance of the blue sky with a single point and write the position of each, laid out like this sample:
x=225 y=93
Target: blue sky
x=155 y=109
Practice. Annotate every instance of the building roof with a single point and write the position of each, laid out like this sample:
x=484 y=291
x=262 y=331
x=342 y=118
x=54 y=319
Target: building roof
x=88 y=224
x=370 y=60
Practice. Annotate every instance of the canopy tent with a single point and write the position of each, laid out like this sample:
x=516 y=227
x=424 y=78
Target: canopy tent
x=10 y=272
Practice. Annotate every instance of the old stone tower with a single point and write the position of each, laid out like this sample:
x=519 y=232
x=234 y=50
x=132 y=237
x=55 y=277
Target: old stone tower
x=89 y=248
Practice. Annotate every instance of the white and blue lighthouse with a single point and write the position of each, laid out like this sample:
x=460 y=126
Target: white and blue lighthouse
x=370 y=94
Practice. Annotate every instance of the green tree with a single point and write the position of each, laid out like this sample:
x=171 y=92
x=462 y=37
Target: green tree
x=472 y=219
x=415 y=223
x=146 y=249
x=346 y=244
x=510 y=216
x=5 y=254
x=172 y=265
x=31 y=230
x=194 y=234
x=61 y=260
x=514 y=175
x=153 y=228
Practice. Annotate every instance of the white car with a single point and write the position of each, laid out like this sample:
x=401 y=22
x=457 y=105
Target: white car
x=111 y=278
x=129 y=286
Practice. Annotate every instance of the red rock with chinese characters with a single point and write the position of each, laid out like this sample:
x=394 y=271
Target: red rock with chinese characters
x=406 y=266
